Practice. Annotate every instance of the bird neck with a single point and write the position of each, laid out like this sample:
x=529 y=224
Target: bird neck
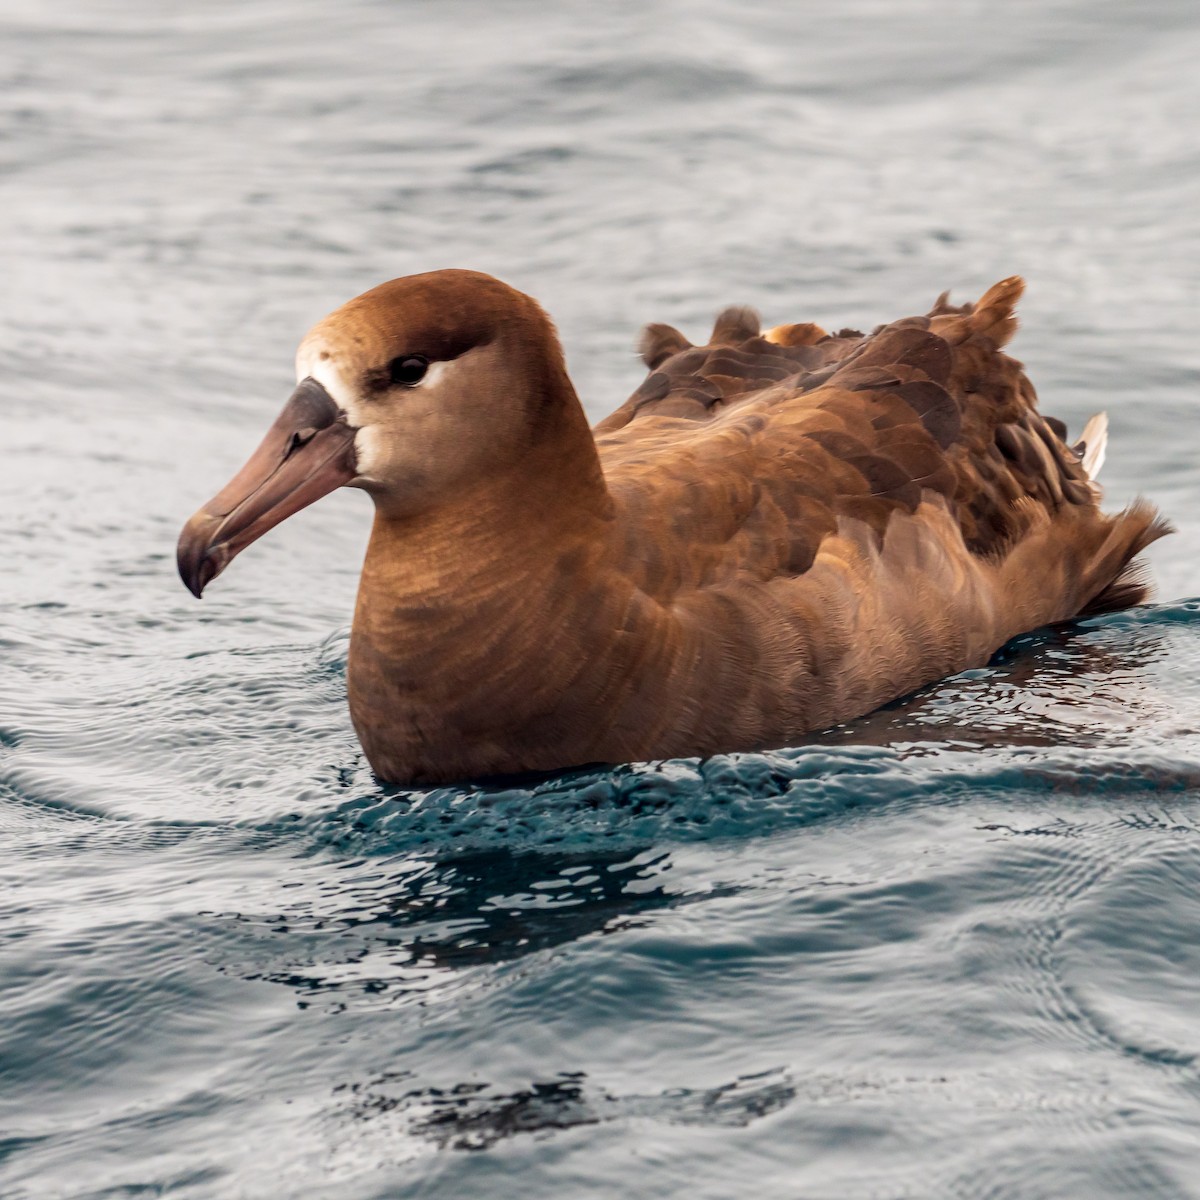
x=471 y=610
x=512 y=519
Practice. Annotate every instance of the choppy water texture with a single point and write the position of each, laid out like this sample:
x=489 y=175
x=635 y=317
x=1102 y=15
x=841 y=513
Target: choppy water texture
x=949 y=951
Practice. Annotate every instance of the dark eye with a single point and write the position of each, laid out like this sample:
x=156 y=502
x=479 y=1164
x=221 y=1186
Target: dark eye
x=408 y=369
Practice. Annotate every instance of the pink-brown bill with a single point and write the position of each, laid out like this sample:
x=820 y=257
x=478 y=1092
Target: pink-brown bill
x=306 y=454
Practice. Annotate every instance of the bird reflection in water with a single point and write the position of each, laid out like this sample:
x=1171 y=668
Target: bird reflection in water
x=371 y=933
x=383 y=930
x=475 y=1116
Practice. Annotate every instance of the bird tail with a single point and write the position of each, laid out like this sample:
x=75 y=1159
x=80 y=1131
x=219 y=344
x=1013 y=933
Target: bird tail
x=1127 y=582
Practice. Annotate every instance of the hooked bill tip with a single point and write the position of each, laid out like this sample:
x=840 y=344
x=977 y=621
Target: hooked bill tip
x=198 y=575
x=201 y=579
x=193 y=556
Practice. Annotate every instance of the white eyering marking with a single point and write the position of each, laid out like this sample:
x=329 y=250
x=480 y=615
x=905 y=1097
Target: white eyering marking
x=368 y=448
x=433 y=374
x=368 y=440
x=323 y=370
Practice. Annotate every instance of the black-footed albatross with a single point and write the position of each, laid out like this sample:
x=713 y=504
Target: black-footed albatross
x=777 y=532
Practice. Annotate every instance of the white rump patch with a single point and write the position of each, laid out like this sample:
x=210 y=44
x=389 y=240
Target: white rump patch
x=1092 y=444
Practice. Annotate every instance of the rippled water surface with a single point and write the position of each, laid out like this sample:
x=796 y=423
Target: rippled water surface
x=948 y=951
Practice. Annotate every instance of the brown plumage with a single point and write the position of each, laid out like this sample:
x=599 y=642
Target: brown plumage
x=775 y=533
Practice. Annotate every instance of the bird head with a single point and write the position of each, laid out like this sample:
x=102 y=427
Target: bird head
x=411 y=391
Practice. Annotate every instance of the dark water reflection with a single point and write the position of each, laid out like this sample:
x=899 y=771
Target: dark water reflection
x=473 y=1116
x=397 y=932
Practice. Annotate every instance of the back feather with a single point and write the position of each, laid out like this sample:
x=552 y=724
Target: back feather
x=822 y=428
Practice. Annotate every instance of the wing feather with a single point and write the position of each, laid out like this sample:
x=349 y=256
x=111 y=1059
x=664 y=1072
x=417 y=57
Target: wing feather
x=848 y=427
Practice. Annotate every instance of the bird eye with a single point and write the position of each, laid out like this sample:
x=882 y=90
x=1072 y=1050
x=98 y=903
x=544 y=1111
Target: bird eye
x=408 y=369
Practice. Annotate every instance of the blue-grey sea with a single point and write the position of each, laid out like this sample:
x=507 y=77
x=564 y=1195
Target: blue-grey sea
x=951 y=950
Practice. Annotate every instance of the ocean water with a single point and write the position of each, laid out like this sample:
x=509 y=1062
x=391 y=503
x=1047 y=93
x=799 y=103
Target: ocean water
x=948 y=951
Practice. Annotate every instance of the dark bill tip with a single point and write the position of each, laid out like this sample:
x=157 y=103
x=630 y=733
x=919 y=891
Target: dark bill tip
x=197 y=568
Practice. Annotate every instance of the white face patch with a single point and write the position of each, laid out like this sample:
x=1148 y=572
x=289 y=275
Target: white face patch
x=311 y=366
x=368 y=454
x=367 y=415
